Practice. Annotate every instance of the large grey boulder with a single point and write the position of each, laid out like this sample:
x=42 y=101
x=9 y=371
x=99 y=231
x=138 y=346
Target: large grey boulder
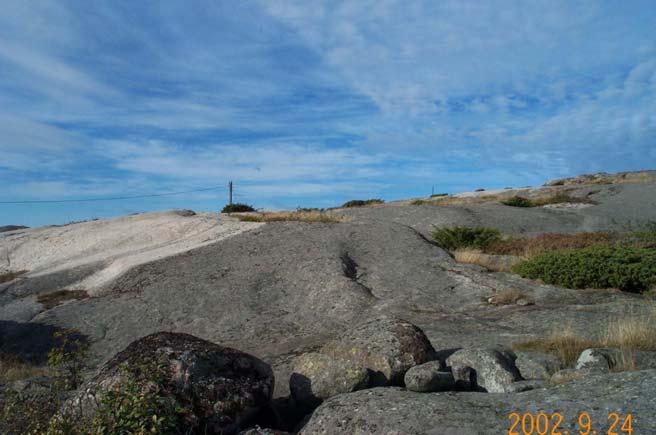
x=429 y=377
x=387 y=346
x=397 y=411
x=220 y=387
x=490 y=369
x=537 y=365
x=599 y=359
x=317 y=377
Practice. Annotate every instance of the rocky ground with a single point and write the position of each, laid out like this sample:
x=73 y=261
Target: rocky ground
x=281 y=290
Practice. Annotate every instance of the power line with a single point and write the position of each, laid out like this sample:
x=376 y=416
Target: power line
x=115 y=198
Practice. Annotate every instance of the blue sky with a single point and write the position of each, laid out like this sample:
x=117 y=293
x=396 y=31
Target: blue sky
x=314 y=103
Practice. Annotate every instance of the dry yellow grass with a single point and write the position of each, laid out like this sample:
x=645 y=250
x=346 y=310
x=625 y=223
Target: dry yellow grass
x=510 y=296
x=12 y=369
x=495 y=263
x=454 y=200
x=628 y=332
x=296 y=216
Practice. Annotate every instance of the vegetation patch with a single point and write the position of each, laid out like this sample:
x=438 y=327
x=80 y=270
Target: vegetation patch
x=495 y=263
x=294 y=216
x=53 y=299
x=11 y=275
x=623 y=267
x=629 y=332
x=439 y=195
x=14 y=369
x=362 y=202
x=530 y=247
x=518 y=201
x=32 y=413
x=465 y=237
x=510 y=296
x=237 y=208
x=558 y=198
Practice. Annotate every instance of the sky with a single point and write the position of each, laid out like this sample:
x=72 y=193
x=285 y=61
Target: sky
x=312 y=103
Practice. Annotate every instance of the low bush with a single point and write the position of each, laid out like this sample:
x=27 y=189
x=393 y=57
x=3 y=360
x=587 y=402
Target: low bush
x=646 y=235
x=465 y=237
x=237 y=208
x=518 y=201
x=601 y=266
x=439 y=195
x=362 y=203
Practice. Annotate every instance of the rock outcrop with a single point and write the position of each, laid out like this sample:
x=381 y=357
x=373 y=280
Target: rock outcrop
x=221 y=388
x=488 y=369
x=317 y=377
x=387 y=346
x=429 y=377
x=397 y=411
x=537 y=365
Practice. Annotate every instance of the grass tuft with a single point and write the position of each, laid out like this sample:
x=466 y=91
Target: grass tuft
x=13 y=369
x=465 y=237
x=510 y=296
x=495 y=263
x=629 y=332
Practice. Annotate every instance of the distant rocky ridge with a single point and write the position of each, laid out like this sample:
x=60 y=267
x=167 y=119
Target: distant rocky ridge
x=606 y=178
x=7 y=228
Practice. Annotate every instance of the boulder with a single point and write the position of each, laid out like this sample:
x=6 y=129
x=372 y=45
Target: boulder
x=488 y=369
x=396 y=411
x=599 y=359
x=429 y=377
x=317 y=377
x=221 y=388
x=537 y=365
x=387 y=346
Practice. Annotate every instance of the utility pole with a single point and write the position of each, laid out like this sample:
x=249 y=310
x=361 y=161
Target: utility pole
x=433 y=190
x=230 y=190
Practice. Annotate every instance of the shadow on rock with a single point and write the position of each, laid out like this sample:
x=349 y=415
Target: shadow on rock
x=31 y=342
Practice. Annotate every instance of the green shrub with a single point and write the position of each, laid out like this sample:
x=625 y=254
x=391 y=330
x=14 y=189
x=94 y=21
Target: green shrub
x=135 y=409
x=66 y=359
x=362 y=202
x=237 y=208
x=601 y=266
x=647 y=234
x=438 y=195
x=465 y=237
x=518 y=201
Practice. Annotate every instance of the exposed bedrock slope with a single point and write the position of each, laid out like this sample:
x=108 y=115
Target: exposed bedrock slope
x=287 y=288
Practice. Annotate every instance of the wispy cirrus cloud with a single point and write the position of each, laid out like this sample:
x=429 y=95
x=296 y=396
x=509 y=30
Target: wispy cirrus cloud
x=311 y=103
